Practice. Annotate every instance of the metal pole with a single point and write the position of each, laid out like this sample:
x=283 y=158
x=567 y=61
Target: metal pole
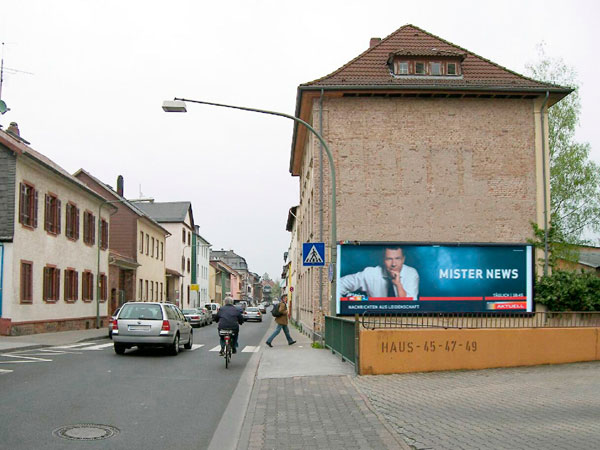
x=331 y=166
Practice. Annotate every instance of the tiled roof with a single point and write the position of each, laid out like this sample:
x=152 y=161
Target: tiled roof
x=371 y=67
x=165 y=211
x=19 y=147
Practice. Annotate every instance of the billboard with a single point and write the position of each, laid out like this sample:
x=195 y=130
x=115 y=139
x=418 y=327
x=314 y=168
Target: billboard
x=397 y=277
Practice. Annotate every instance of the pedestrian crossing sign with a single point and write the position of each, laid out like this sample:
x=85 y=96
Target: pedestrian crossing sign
x=313 y=254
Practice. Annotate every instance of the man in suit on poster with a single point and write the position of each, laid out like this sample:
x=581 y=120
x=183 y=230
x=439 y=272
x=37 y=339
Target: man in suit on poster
x=392 y=278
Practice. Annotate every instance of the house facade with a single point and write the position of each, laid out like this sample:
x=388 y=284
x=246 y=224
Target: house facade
x=200 y=268
x=137 y=248
x=430 y=143
x=238 y=264
x=178 y=220
x=55 y=238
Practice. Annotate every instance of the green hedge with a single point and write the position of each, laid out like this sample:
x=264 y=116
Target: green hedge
x=569 y=291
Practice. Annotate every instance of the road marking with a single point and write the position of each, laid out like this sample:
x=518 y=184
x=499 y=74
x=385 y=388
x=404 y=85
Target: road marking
x=2 y=371
x=250 y=349
x=54 y=352
x=33 y=359
x=97 y=347
x=196 y=347
x=216 y=349
x=81 y=344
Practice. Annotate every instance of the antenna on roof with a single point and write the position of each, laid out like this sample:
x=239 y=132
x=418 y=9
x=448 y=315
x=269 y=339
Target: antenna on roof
x=3 y=107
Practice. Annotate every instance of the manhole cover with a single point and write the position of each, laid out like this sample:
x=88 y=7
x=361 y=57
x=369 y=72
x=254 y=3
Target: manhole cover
x=86 y=432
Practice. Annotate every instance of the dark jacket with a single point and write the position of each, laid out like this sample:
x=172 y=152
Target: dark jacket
x=229 y=318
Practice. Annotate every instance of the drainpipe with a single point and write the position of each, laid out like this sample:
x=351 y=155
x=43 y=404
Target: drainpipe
x=321 y=197
x=544 y=176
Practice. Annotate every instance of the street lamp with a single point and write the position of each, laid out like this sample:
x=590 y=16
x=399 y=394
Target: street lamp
x=178 y=105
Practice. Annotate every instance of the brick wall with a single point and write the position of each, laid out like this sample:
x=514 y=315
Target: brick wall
x=423 y=170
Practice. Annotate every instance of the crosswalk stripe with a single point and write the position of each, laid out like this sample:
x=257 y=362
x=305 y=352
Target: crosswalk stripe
x=81 y=344
x=29 y=358
x=216 y=349
x=250 y=349
x=97 y=347
x=4 y=371
x=196 y=347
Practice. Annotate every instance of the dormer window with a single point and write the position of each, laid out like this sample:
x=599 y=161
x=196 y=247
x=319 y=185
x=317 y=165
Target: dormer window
x=425 y=62
x=435 y=68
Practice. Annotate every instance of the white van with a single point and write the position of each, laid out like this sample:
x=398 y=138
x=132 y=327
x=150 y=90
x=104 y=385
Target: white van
x=213 y=308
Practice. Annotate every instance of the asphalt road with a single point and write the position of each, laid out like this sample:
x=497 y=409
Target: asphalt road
x=156 y=401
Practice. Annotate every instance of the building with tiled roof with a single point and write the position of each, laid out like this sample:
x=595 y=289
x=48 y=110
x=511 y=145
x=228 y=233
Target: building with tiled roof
x=430 y=143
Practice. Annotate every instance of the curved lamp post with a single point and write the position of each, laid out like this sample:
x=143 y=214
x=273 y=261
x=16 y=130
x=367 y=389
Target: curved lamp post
x=178 y=105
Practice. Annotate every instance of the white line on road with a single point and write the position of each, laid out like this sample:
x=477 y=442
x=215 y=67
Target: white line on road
x=250 y=349
x=196 y=347
x=81 y=344
x=97 y=347
x=216 y=349
x=2 y=371
x=33 y=359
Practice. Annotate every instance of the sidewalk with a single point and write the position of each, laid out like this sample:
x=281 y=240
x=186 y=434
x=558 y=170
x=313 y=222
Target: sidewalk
x=32 y=341
x=306 y=398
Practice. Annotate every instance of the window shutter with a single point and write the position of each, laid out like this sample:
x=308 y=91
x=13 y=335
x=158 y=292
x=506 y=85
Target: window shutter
x=86 y=225
x=46 y=212
x=57 y=282
x=21 y=202
x=45 y=284
x=67 y=285
x=93 y=229
x=76 y=286
x=35 y=209
x=76 y=224
x=68 y=221
x=59 y=213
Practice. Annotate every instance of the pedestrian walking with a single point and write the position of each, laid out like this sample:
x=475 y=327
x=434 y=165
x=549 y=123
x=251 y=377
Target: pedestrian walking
x=281 y=318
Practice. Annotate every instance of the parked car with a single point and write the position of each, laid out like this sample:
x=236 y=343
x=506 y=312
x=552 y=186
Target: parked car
x=213 y=308
x=252 y=313
x=195 y=317
x=111 y=321
x=151 y=324
x=262 y=308
x=208 y=318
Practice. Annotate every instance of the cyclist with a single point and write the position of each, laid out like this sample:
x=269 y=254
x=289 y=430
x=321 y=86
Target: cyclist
x=229 y=318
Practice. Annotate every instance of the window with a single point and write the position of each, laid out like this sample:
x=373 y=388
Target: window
x=435 y=68
x=161 y=251
x=103 y=234
x=420 y=68
x=103 y=287
x=71 y=284
x=141 y=290
x=189 y=238
x=51 y=283
x=72 y=221
x=89 y=228
x=52 y=214
x=147 y=244
x=152 y=247
x=87 y=286
x=183 y=264
x=183 y=236
x=188 y=265
x=146 y=295
x=401 y=68
x=28 y=200
x=451 y=69
x=26 y=282
x=161 y=291
x=141 y=242
x=152 y=290
x=157 y=248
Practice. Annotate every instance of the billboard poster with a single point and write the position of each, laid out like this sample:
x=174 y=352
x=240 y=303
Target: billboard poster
x=403 y=278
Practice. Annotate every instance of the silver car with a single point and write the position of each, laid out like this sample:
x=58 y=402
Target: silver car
x=151 y=324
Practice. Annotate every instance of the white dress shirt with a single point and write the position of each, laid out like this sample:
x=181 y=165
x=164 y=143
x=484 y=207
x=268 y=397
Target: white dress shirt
x=374 y=281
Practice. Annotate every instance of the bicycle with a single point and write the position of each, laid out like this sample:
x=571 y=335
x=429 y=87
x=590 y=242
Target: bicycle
x=227 y=335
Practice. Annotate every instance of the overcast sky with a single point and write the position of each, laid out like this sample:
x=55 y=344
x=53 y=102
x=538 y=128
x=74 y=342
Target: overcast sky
x=101 y=69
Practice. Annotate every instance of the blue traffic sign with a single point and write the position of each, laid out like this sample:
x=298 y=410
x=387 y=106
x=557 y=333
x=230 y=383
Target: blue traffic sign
x=313 y=254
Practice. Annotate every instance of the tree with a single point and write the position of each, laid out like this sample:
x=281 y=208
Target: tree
x=574 y=178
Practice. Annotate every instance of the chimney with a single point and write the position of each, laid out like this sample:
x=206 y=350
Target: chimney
x=13 y=128
x=120 y=185
x=374 y=42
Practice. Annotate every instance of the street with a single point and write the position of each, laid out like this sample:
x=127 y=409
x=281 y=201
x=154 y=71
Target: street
x=153 y=400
